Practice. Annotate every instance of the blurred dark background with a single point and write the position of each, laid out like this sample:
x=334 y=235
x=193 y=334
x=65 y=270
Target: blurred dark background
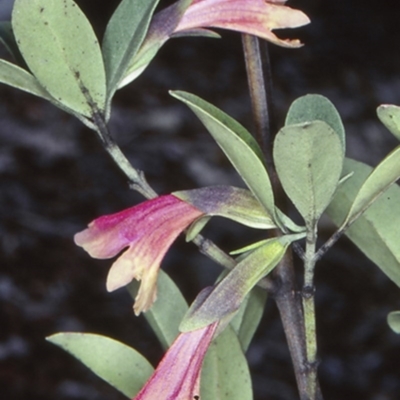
x=55 y=178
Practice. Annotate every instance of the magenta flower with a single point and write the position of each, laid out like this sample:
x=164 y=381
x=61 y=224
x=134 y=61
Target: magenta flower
x=148 y=230
x=177 y=377
x=188 y=18
x=255 y=17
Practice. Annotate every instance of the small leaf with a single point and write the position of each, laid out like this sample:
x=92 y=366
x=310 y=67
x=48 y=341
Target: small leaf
x=390 y=117
x=124 y=35
x=119 y=365
x=381 y=178
x=167 y=312
x=225 y=373
x=393 y=319
x=61 y=49
x=309 y=159
x=313 y=107
x=377 y=231
x=246 y=320
x=238 y=145
x=224 y=299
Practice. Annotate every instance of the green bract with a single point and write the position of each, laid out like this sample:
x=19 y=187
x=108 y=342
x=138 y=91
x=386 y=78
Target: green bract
x=61 y=49
x=224 y=299
x=229 y=202
x=308 y=159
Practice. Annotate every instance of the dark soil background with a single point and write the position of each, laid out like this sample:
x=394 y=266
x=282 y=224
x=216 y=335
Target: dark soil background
x=55 y=178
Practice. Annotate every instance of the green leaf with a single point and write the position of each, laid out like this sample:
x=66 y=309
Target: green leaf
x=12 y=75
x=238 y=145
x=162 y=27
x=225 y=373
x=377 y=231
x=393 y=319
x=246 y=320
x=224 y=299
x=8 y=39
x=61 y=49
x=381 y=178
x=313 y=107
x=309 y=159
x=119 y=365
x=390 y=117
x=167 y=312
x=124 y=35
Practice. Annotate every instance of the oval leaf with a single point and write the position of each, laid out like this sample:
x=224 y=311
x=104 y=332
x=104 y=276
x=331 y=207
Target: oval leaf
x=380 y=179
x=313 y=107
x=393 y=319
x=225 y=373
x=167 y=312
x=309 y=159
x=390 y=117
x=61 y=49
x=377 y=231
x=124 y=35
x=119 y=365
x=238 y=145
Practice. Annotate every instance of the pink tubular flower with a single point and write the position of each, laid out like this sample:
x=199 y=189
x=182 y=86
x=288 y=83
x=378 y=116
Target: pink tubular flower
x=148 y=230
x=177 y=377
x=194 y=17
x=255 y=17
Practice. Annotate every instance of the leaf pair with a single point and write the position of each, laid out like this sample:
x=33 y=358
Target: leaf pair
x=308 y=154
x=61 y=50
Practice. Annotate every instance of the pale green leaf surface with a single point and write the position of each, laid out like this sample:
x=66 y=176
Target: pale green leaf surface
x=14 y=76
x=21 y=79
x=308 y=159
x=124 y=35
x=393 y=319
x=312 y=107
x=377 y=231
x=119 y=365
x=61 y=49
x=168 y=310
x=225 y=373
x=238 y=145
x=390 y=117
x=381 y=178
x=225 y=298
